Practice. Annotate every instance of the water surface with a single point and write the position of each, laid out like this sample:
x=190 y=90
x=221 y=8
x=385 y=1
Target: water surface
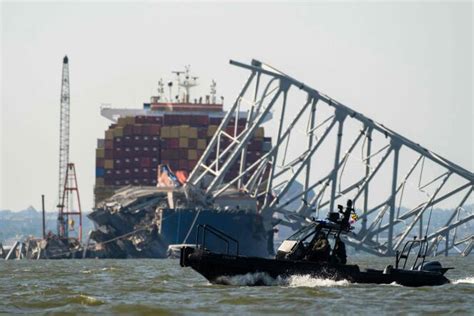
x=163 y=287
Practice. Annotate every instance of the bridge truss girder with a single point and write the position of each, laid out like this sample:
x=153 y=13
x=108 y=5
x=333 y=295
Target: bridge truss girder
x=317 y=121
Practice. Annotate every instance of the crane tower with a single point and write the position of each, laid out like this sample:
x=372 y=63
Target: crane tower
x=63 y=130
x=67 y=183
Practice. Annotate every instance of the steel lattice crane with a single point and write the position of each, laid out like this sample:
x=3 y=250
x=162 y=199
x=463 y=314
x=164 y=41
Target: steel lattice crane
x=67 y=182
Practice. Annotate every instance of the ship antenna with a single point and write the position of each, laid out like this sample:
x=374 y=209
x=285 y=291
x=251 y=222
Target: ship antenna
x=178 y=79
x=170 y=86
x=187 y=84
x=161 y=89
x=213 y=91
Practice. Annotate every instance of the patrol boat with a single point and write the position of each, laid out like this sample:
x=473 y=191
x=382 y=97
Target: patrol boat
x=307 y=252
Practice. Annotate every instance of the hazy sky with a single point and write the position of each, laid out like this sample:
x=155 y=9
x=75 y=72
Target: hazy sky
x=407 y=65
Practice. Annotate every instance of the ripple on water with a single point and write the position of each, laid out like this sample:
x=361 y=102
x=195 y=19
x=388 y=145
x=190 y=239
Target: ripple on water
x=163 y=287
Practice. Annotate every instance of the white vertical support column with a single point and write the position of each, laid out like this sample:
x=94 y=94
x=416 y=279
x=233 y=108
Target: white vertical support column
x=312 y=120
x=396 y=152
x=340 y=116
x=250 y=117
x=284 y=86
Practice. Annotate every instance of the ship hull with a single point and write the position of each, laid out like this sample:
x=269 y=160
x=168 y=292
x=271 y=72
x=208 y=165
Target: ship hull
x=147 y=235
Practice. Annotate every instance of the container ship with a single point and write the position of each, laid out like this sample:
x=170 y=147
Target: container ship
x=142 y=164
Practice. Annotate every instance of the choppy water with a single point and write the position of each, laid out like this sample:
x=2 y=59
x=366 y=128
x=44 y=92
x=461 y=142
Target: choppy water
x=163 y=287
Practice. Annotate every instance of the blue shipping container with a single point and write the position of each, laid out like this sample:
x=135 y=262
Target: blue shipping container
x=99 y=172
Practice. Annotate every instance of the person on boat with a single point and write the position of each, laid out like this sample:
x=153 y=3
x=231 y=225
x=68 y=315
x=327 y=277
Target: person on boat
x=339 y=254
x=346 y=215
x=319 y=249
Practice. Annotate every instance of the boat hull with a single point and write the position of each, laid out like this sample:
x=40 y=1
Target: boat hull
x=216 y=268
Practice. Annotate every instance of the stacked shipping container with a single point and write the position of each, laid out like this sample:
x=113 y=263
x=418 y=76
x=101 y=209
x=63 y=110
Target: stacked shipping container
x=134 y=147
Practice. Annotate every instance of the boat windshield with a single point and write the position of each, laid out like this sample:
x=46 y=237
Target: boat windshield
x=303 y=232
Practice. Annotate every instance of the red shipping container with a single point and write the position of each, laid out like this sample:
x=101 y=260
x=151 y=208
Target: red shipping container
x=172 y=143
x=145 y=130
x=99 y=162
x=140 y=119
x=128 y=130
x=119 y=153
x=203 y=120
x=158 y=119
x=155 y=129
x=255 y=145
x=109 y=154
x=145 y=162
x=109 y=144
x=137 y=129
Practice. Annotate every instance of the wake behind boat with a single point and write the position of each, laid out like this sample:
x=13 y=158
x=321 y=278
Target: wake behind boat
x=309 y=252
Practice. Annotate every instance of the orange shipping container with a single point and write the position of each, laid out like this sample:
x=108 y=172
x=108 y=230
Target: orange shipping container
x=108 y=164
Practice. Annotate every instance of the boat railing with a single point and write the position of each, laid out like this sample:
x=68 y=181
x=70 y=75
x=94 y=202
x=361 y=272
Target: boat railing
x=218 y=234
x=422 y=245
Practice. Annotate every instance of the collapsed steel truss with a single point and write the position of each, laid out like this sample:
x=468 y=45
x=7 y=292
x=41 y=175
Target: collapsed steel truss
x=295 y=179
